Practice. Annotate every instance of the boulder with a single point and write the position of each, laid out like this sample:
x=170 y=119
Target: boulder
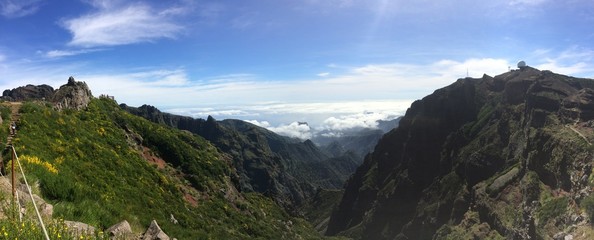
x=121 y=230
x=79 y=228
x=154 y=232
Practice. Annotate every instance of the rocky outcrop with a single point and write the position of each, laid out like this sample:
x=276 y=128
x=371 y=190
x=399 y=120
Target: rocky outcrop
x=154 y=232
x=74 y=95
x=121 y=230
x=29 y=92
x=506 y=156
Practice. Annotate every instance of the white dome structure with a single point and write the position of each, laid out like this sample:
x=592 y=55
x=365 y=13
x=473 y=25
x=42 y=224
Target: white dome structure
x=521 y=64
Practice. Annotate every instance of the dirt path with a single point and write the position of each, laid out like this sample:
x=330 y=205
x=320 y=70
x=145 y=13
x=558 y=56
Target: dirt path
x=14 y=118
x=581 y=135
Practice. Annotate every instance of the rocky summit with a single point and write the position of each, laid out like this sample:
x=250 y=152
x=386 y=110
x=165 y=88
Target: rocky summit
x=499 y=157
x=73 y=95
x=29 y=92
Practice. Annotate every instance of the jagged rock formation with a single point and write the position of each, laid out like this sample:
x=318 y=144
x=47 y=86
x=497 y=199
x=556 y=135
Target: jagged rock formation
x=29 y=92
x=482 y=158
x=286 y=169
x=73 y=95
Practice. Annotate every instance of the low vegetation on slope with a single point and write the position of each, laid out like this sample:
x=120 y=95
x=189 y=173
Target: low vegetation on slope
x=287 y=170
x=509 y=156
x=92 y=166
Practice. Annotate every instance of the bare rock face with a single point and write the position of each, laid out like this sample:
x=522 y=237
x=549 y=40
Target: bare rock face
x=73 y=95
x=154 y=232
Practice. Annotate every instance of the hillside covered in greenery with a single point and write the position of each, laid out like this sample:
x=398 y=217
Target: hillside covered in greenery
x=102 y=165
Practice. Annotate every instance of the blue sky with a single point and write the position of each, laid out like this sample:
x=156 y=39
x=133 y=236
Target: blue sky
x=333 y=63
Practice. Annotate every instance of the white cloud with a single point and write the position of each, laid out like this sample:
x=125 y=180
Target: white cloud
x=18 y=8
x=355 y=121
x=572 y=61
x=66 y=53
x=264 y=124
x=119 y=25
x=327 y=118
x=324 y=74
x=355 y=98
x=335 y=125
x=526 y=2
x=174 y=88
x=294 y=130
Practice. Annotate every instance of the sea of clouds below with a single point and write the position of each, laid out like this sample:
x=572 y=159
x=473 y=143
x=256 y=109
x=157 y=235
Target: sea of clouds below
x=288 y=119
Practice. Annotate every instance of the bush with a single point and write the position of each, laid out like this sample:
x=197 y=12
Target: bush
x=588 y=205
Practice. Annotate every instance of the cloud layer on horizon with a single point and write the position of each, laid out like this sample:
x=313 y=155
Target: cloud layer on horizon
x=307 y=120
x=174 y=88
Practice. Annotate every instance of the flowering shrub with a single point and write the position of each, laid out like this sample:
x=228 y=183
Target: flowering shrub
x=26 y=159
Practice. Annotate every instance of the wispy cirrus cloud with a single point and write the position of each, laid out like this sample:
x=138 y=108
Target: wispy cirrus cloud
x=66 y=53
x=574 y=60
x=116 y=24
x=352 y=96
x=526 y=2
x=18 y=8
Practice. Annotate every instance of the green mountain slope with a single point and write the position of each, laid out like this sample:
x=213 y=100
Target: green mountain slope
x=499 y=157
x=102 y=165
x=285 y=169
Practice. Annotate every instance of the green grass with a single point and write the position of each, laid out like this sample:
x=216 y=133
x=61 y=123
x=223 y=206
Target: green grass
x=87 y=168
x=588 y=205
x=552 y=209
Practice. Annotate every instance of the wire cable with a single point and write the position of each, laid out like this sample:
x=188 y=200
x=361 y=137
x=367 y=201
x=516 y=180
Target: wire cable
x=31 y=195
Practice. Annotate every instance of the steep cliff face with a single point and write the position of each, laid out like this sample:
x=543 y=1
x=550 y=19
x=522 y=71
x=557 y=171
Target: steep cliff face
x=480 y=158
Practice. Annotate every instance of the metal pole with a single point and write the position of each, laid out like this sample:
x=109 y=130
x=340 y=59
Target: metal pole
x=12 y=173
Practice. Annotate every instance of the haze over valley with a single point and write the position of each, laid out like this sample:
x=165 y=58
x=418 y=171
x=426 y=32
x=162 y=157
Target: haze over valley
x=279 y=119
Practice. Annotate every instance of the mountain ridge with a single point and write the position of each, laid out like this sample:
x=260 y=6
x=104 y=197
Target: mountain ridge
x=465 y=157
x=101 y=165
x=286 y=169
